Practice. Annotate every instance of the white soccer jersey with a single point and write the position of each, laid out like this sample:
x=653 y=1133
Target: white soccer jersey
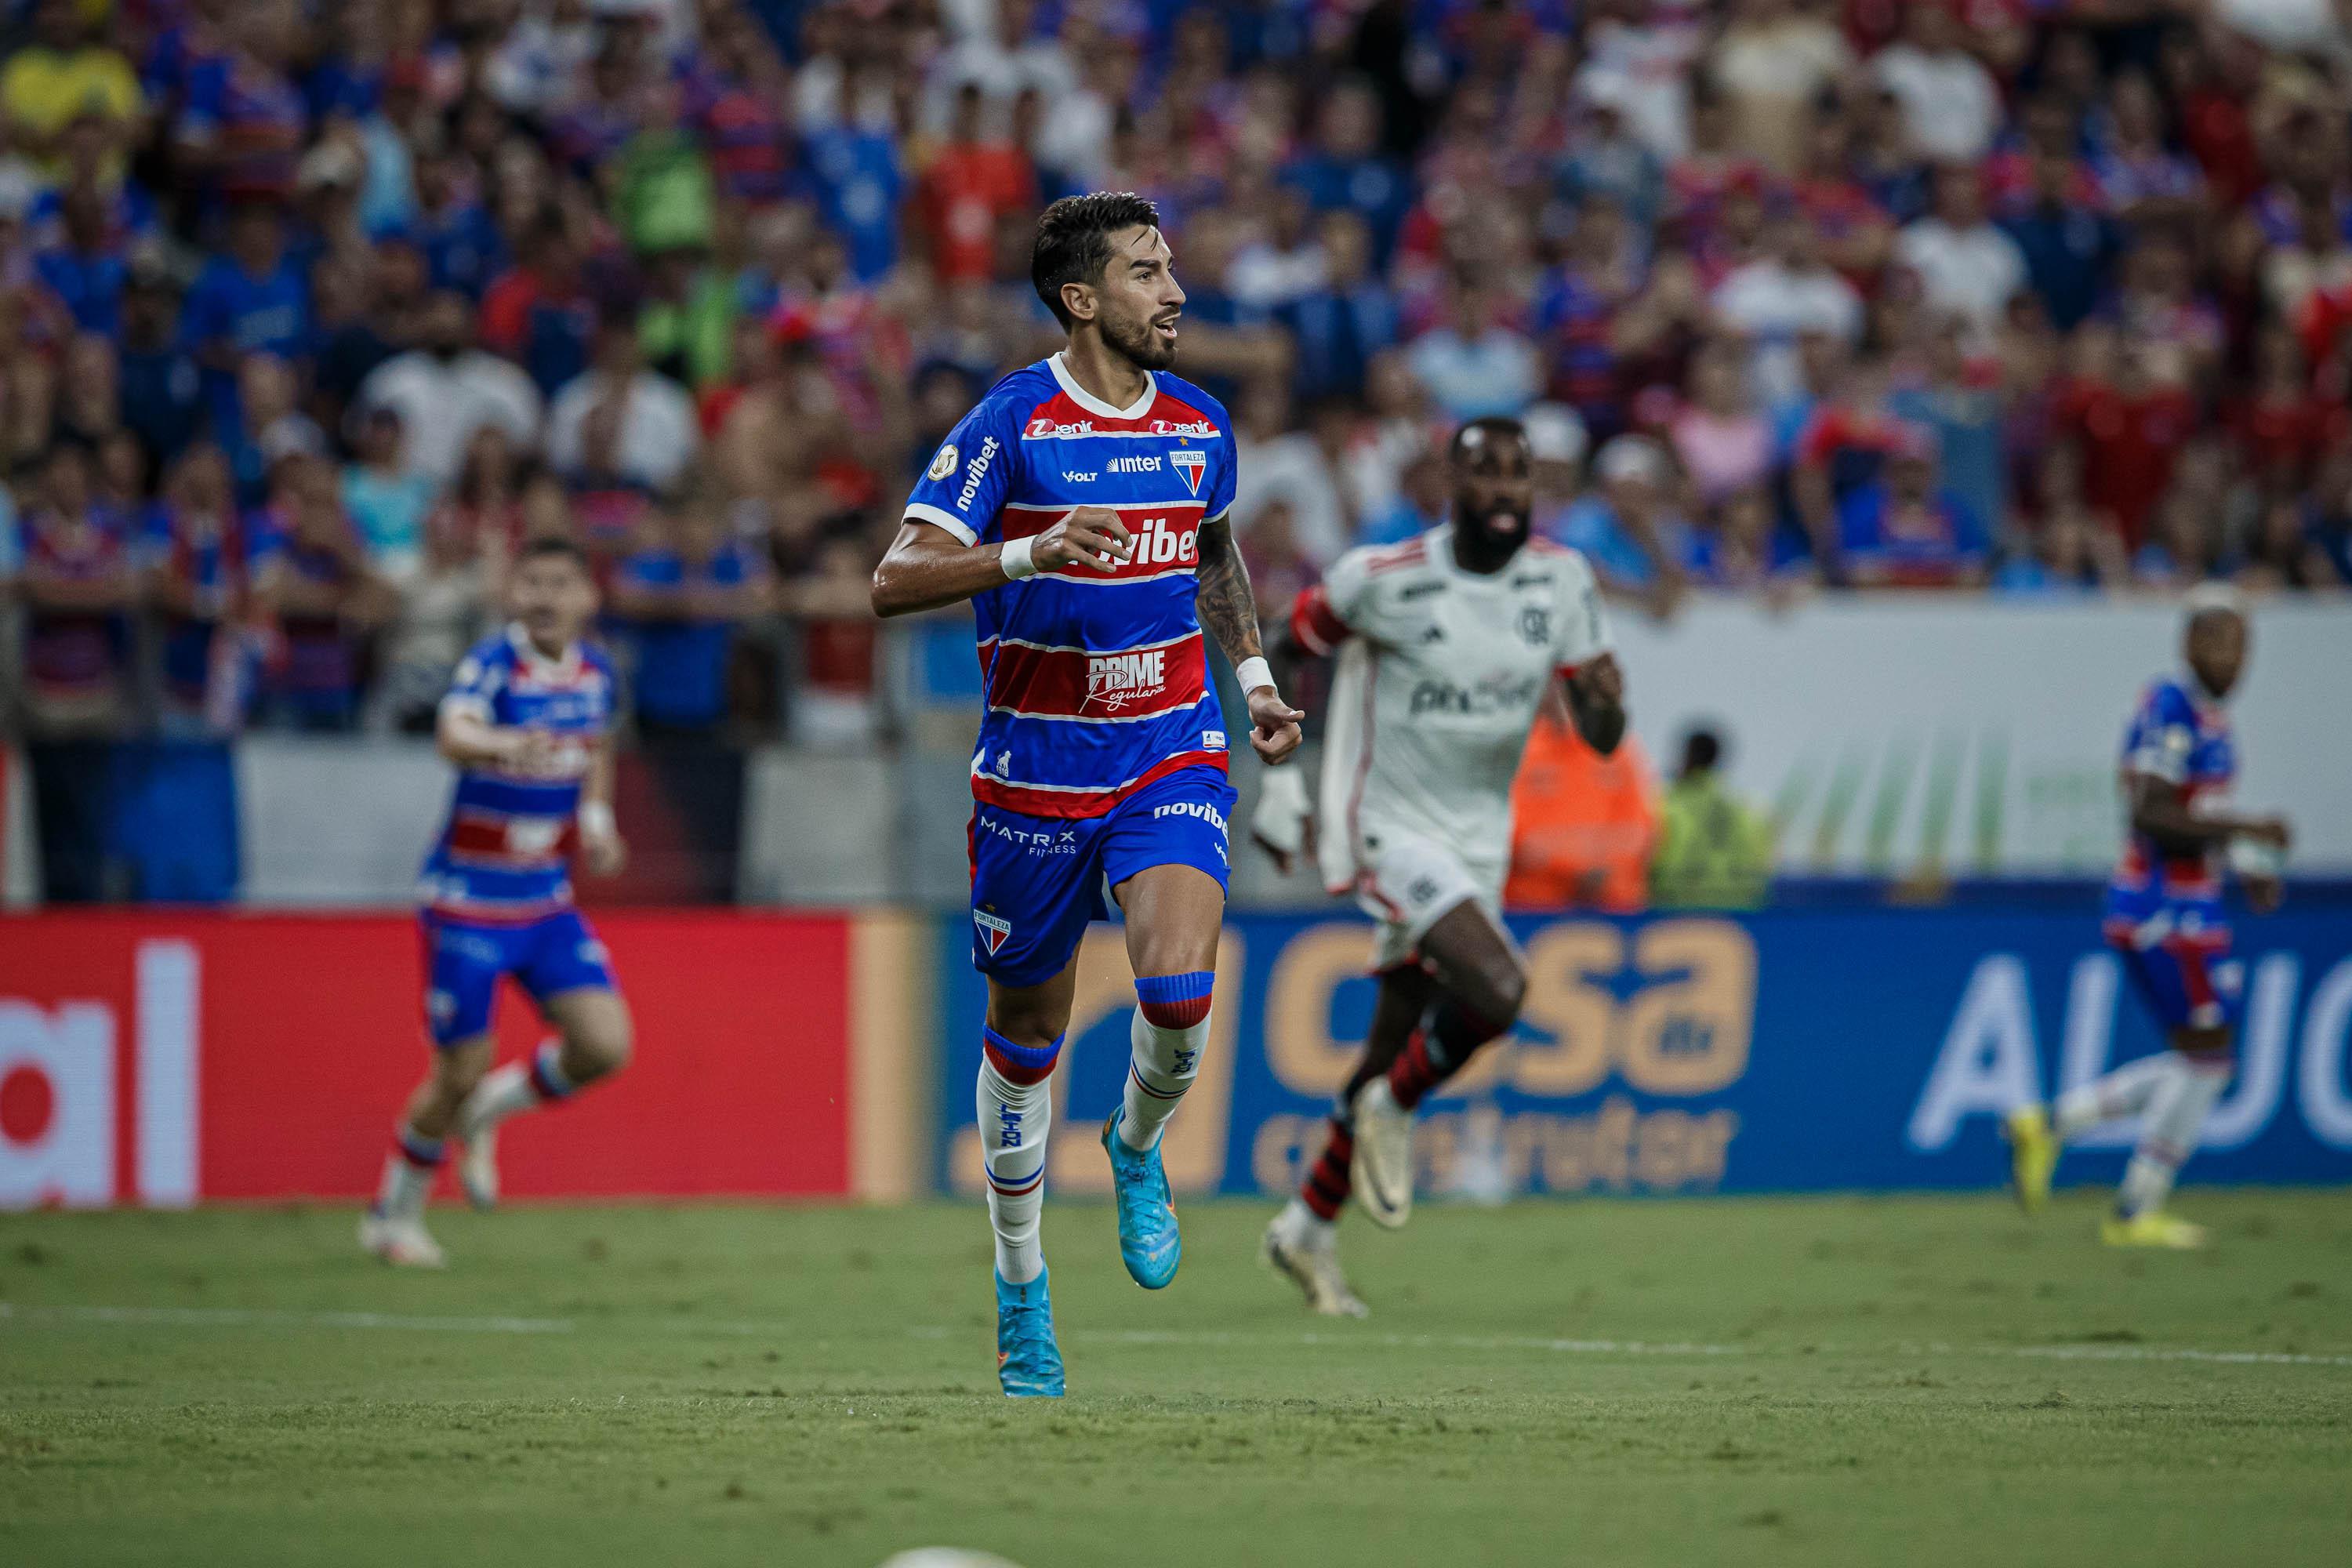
x=1438 y=674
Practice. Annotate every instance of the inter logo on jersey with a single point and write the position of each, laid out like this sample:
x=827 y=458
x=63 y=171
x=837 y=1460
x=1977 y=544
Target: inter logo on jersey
x=1191 y=464
x=994 y=930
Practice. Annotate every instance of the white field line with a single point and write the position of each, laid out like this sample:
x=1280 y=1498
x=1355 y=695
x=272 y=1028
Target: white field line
x=260 y=1317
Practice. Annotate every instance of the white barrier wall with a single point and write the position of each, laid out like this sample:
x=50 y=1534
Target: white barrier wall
x=1915 y=736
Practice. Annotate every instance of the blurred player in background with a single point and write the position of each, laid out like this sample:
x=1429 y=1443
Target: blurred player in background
x=527 y=721
x=2165 y=916
x=1446 y=645
x=1082 y=508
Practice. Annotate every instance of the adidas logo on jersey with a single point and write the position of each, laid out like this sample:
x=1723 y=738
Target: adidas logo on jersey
x=1116 y=679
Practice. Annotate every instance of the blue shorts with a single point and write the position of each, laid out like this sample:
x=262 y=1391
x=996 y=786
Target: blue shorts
x=1037 y=881
x=464 y=962
x=2183 y=968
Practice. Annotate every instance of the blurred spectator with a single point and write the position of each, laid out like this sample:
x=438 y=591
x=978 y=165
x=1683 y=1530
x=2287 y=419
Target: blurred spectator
x=1787 y=294
x=540 y=313
x=162 y=384
x=1582 y=824
x=1714 y=851
x=1907 y=530
x=1475 y=363
x=78 y=579
x=1773 y=61
x=1627 y=525
x=1950 y=102
x=87 y=268
x=2285 y=550
x=197 y=566
x=250 y=299
x=1957 y=398
x=446 y=389
x=269 y=428
x=1966 y=266
x=310 y=575
x=642 y=424
x=61 y=75
x=972 y=180
x=1344 y=319
x=679 y=598
x=442 y=605
x=385 y=500
x=1723 y=444
x=1276 y=463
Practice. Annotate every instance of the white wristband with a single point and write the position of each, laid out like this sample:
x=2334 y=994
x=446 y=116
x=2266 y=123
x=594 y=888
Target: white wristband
x=596 y=820
x=1017 y=558
x=1253 y=673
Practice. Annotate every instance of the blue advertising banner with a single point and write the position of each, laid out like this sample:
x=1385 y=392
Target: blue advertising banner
x=1788 y=1050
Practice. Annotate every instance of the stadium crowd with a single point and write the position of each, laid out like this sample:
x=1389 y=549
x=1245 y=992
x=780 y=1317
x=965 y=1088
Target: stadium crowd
x=307 y=315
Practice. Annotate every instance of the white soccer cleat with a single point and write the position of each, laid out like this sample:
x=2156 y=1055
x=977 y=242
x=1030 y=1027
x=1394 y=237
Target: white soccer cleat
x=1315 y=1269
x=404 y=1243
x=1381 y=1170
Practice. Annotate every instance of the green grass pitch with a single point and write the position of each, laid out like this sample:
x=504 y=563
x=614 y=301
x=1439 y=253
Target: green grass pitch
x=1906 y=1381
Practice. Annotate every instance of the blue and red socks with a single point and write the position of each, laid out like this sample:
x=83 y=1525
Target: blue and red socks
x=1165 y=1042
x=1015 y=1112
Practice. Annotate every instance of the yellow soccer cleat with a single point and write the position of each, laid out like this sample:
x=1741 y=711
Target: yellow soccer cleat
x=2153 y=1228
x=2032 y=1155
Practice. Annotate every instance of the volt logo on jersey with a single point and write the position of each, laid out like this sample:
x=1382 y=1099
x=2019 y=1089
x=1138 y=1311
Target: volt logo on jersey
x=994 y=930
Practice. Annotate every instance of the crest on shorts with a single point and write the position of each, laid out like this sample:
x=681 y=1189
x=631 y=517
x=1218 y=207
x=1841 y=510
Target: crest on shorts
x=994 y=928
x=944 y=463
x=1189 y=464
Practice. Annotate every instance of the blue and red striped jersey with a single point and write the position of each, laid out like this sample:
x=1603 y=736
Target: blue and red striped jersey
x=2181 y=737
x=1096 y=682
x=504 y=853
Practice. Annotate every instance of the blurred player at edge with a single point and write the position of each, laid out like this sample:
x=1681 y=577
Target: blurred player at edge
x=1082 y=508
x=526 y=721
x=2165 y=916
x=1446 y=645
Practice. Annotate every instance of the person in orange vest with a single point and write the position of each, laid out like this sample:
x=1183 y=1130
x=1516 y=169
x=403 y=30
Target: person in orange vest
x=1582 y=824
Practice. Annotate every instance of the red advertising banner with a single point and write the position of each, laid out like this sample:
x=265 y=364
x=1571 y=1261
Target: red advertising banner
x=169 y=1059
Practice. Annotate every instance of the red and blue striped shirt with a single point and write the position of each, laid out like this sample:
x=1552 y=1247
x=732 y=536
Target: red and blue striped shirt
x=1097 y=683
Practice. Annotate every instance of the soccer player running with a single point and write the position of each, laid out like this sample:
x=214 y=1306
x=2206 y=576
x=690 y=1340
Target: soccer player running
x=526 y=721
x=2164 y=917
x=1082 y=508
x=1447 y=644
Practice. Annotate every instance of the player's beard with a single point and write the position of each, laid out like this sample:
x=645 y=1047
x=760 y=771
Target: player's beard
x=1491 y=537
x=1138 y=341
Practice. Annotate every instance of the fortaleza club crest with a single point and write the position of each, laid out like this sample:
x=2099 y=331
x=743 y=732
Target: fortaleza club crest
x=994 y=928
x=1189 y=464
x=944 y=463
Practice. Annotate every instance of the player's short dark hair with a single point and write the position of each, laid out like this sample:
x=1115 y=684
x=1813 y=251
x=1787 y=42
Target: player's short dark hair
x=552 y=546
x=1073 y=241
x=1493 y=426
x=1702 y=748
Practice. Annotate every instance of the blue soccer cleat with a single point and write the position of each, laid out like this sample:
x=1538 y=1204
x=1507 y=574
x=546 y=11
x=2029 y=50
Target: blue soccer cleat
x=1147 y=1242
x=1028 y=1361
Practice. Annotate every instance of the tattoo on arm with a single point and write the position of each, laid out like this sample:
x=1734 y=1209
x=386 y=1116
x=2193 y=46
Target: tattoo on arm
x=1223 y=593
